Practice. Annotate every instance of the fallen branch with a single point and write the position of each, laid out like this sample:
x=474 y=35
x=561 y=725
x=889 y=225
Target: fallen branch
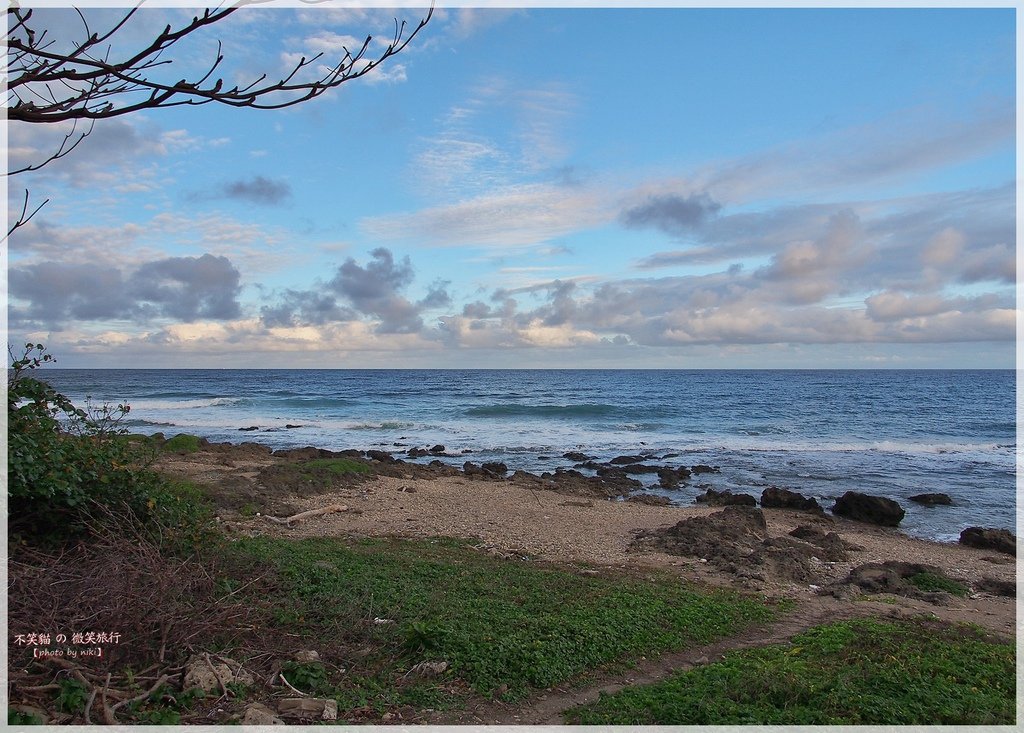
x=142 y=696
x=292 y=688
x=306 y=515
x=220 y=680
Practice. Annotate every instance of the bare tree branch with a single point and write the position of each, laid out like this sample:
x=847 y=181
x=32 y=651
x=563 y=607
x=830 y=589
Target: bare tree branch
x=24 y=217
x=46 y=84
x=98 y=88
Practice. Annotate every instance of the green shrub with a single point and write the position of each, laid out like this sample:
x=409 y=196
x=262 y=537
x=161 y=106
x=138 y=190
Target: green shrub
x=64 y=461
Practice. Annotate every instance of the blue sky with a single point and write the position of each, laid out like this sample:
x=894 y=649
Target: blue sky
x=640 y=188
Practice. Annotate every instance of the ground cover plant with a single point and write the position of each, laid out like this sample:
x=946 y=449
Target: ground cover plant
x=908 y=672
x=502 y=626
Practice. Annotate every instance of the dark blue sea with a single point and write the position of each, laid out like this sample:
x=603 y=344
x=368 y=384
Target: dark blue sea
x=892 y=433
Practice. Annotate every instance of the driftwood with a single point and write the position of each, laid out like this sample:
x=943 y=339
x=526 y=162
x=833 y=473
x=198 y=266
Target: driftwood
x=306 y=515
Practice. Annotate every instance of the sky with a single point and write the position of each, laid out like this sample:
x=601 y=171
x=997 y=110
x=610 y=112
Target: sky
x=540 y=188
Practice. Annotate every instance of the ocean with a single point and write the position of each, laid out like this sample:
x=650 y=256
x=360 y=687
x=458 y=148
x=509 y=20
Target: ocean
x=819 y=432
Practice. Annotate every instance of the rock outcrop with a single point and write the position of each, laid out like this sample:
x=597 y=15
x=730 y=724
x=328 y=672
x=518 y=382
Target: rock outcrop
x=867 y=508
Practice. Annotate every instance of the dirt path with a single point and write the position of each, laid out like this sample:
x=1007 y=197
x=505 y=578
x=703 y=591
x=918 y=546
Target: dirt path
x=548 y=707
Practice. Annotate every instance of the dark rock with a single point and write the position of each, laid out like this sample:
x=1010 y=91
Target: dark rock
x=471 y=469
x=571 y=481
x=382 y=456
x=417 y=452
x=736 y=541
x=670 y=478
x=640 y=468
x=996 y=587
x=895 y=577
x=777 y=498
x=308 y=453
x=728 y=536
x=437 y=449
x=289 y=426
x=622 y=460
x=933 y=499
x=725 y=498
x=1000 y=540
x=832 y=546
x=650 y=499
x=249 y=429
x=575 y=456
x=702 y=468
x=495 y=468
x=870 y=509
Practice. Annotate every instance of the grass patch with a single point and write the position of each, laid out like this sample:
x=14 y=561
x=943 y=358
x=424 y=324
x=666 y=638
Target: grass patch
x=929 y=582
x=335 y=466
x=503 y=626
x=182 y=443
x=915 y=672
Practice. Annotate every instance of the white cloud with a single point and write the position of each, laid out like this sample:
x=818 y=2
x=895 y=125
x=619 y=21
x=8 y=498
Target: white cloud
x=516 y=216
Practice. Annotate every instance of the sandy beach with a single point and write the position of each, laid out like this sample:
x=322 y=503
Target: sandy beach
x=509 y=519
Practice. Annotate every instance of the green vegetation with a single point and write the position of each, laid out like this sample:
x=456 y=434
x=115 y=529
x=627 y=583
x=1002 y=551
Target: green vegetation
x=334 y=466
x=182 y=443
x=503 y=626
x=64 y=462
x=916 y=672
x=931 y=582
x=71 y=696
x=17 y=717
x=86 y=513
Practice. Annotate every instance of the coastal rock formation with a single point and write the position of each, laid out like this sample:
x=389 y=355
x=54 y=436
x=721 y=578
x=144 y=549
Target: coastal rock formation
x=495 y=468
x=702 y=468
x=871 y=509
x=777 y=498
x=382 y=456
x=670 y=478
x=577 y=457
x=932 y=499
x=736 y=540
x=833 y=547
x=996 y=587
x=1000 y=540
x=893 y=577
x=623 y=460
x=608 y=485
x=725 y=498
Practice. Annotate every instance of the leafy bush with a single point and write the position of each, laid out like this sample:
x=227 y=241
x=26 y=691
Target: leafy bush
x=63 y=460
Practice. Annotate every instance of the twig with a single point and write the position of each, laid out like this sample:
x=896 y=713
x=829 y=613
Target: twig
x=297 y=692
x=306 y=515
x=143 y=695
x=39 y=688
x=220 y=680
x=92 y=699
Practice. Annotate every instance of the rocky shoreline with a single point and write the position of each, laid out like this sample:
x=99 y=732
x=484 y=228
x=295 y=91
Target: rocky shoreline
x=788 y=546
